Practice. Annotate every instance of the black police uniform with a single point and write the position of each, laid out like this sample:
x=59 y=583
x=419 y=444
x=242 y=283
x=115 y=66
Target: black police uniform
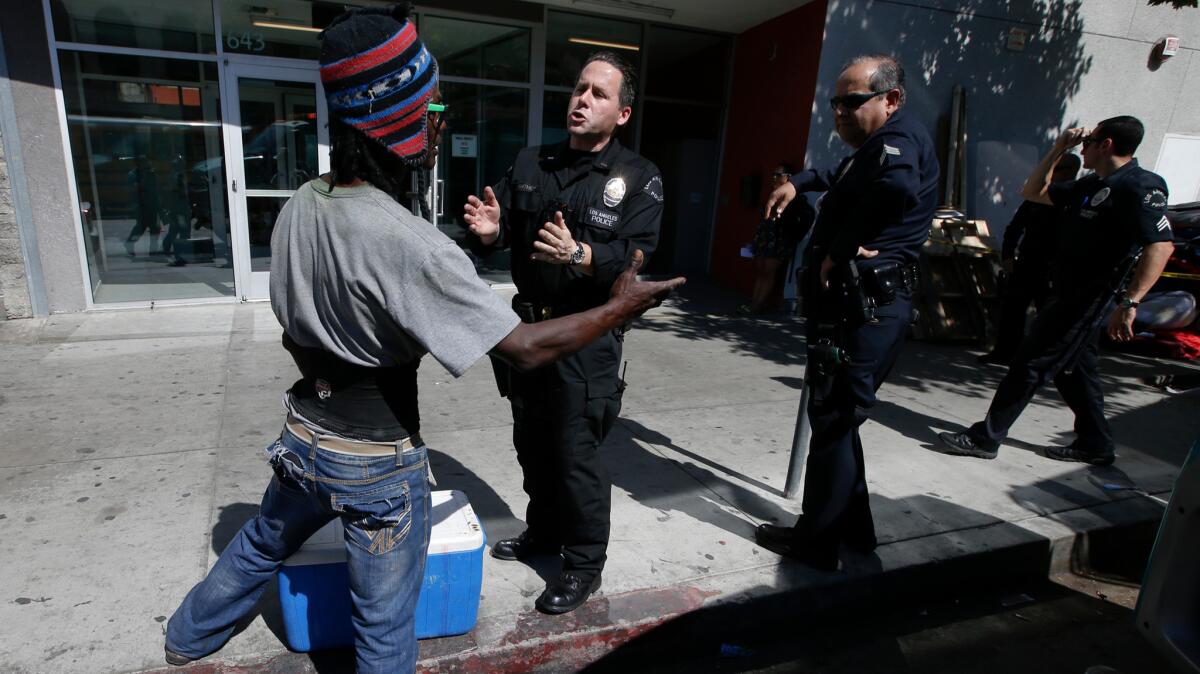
x=1107 y=221
x=1031 y=240
x=613 y=201
x=881 y=198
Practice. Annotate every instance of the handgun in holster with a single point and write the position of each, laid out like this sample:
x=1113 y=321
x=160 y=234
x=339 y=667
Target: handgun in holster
x=825 y=358
x=860 y=305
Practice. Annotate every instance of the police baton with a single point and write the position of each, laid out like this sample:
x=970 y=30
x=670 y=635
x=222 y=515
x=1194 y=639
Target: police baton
x=795 y=474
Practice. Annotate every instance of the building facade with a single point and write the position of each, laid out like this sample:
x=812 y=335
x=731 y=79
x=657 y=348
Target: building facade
x=147 y=146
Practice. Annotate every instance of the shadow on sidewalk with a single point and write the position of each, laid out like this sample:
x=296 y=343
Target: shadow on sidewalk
x=655 y=481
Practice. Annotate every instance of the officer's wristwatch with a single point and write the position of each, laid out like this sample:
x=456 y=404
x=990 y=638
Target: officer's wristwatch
x=1127 y=302
x=577 y=256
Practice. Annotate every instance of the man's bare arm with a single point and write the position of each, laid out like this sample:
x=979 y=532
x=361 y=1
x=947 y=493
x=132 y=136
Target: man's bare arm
x=531 y=345
x=1036 y=187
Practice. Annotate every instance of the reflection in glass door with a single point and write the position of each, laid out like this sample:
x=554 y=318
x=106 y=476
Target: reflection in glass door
x=279 y=143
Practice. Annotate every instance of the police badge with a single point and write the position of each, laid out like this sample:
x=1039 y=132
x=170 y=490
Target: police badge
x=1099 y=197
x=614 y=192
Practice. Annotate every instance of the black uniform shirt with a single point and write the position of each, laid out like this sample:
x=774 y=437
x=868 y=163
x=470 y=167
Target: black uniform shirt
x=1033 y=235
x=1105 y=219
x=611 y=200
x=882 y=197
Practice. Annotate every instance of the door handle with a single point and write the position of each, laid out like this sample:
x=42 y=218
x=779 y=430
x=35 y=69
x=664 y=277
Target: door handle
x=440 y=196
x=235 y=184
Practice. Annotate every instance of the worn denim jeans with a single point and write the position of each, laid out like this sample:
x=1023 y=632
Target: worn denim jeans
x=384 y=504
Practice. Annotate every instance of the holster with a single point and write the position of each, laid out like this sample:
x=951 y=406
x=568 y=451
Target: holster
x=825 y=358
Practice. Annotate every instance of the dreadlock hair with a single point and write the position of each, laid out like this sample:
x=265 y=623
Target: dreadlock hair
x=354 y=155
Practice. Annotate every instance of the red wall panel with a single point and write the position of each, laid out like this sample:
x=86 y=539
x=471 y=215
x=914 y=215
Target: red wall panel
x=774 y=77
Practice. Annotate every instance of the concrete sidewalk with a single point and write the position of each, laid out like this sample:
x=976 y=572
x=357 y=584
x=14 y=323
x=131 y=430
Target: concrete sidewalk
x=131 y=455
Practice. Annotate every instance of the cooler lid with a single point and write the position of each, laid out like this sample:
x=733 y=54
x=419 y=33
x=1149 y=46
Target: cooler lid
x=455 y=529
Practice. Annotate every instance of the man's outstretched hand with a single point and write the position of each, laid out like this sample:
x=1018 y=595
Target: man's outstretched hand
x=483 y=216
x=636 y=297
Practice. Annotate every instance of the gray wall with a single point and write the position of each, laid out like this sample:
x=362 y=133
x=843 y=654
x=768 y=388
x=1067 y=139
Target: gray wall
x=1085 y=61
x=14 y=291
x=56 y=273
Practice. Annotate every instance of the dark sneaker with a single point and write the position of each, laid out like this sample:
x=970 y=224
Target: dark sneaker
x=784 y=542
x=994 y=358
x=1078 y=455
x=962 y=444
x=522 y=547
x=176 y=659
x=566 y=593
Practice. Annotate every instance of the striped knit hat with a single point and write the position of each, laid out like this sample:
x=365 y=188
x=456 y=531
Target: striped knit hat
x=378 y=78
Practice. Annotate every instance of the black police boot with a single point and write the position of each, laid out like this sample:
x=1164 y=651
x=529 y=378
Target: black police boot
x=522 y=547
x=783 y=541
x=1071 y=453
x=962 y=444
x=566 y=593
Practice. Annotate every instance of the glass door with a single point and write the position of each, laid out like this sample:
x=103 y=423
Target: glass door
x=277 y=140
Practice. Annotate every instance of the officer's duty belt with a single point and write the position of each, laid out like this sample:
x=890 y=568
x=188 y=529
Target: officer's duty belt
x=531 y=312
x=882 y=281
x=355 y=447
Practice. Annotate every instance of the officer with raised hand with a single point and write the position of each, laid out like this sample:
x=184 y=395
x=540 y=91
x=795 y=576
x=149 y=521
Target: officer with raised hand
x=1116 y=225
x=572 y=213
x=861 y=269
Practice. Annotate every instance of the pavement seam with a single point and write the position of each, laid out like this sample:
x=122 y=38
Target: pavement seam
x=113 y=458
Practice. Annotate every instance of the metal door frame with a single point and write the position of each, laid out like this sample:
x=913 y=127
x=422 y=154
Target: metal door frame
x=251 y=285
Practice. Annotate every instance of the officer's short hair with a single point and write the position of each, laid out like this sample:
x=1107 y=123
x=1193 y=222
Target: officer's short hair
x=1125 y=131
x=1069 y=162
x=628 y=74
x=888 y=75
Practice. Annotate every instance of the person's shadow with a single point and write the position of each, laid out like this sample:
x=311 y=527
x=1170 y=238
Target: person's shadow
x=661 y=483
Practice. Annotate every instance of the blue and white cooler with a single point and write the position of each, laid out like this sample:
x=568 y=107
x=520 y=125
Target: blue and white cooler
x=314 y=585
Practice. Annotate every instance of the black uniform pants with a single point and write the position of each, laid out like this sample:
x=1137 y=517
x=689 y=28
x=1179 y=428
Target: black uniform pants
x=561 y=414
x=1028 y=284
x=1042 y=357
x=835 y=482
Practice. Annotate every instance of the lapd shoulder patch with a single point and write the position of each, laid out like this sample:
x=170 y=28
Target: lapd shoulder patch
x=655 y=189
x=1155 y=198
x=598 y=217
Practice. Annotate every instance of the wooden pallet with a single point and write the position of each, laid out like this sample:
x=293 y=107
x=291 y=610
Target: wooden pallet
x=959 y=298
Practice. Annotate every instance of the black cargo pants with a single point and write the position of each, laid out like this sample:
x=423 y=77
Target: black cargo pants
x=561 y=414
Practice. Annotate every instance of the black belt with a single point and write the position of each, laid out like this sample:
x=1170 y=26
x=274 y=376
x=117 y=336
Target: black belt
x=534 y=312
x=882 y=281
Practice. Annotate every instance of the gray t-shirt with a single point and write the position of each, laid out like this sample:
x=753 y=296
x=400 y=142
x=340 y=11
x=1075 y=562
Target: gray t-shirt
x=355 y=273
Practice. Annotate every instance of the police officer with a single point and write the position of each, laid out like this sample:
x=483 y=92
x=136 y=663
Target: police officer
x=1030 y=243
x=1113 y=215
x=861 y=262
x=572 y=214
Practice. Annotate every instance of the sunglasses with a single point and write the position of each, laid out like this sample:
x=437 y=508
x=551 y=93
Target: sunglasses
x=780 y=174
x=1088 y=140
x=853 y=101
x=437 y=113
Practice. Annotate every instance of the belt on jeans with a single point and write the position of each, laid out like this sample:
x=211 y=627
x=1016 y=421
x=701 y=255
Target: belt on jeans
x=355 y=447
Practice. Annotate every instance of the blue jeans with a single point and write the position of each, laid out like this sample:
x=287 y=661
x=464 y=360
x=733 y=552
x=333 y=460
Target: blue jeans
x=384 y=504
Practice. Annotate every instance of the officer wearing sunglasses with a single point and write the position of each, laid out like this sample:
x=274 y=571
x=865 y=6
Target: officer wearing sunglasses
x=874 y=216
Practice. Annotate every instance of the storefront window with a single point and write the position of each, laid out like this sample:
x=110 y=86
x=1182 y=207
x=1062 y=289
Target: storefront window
x=570 y=38
x=485 y=130
x=476 y=49
x=145 y=139
x=286 y=28
x=147 y=24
